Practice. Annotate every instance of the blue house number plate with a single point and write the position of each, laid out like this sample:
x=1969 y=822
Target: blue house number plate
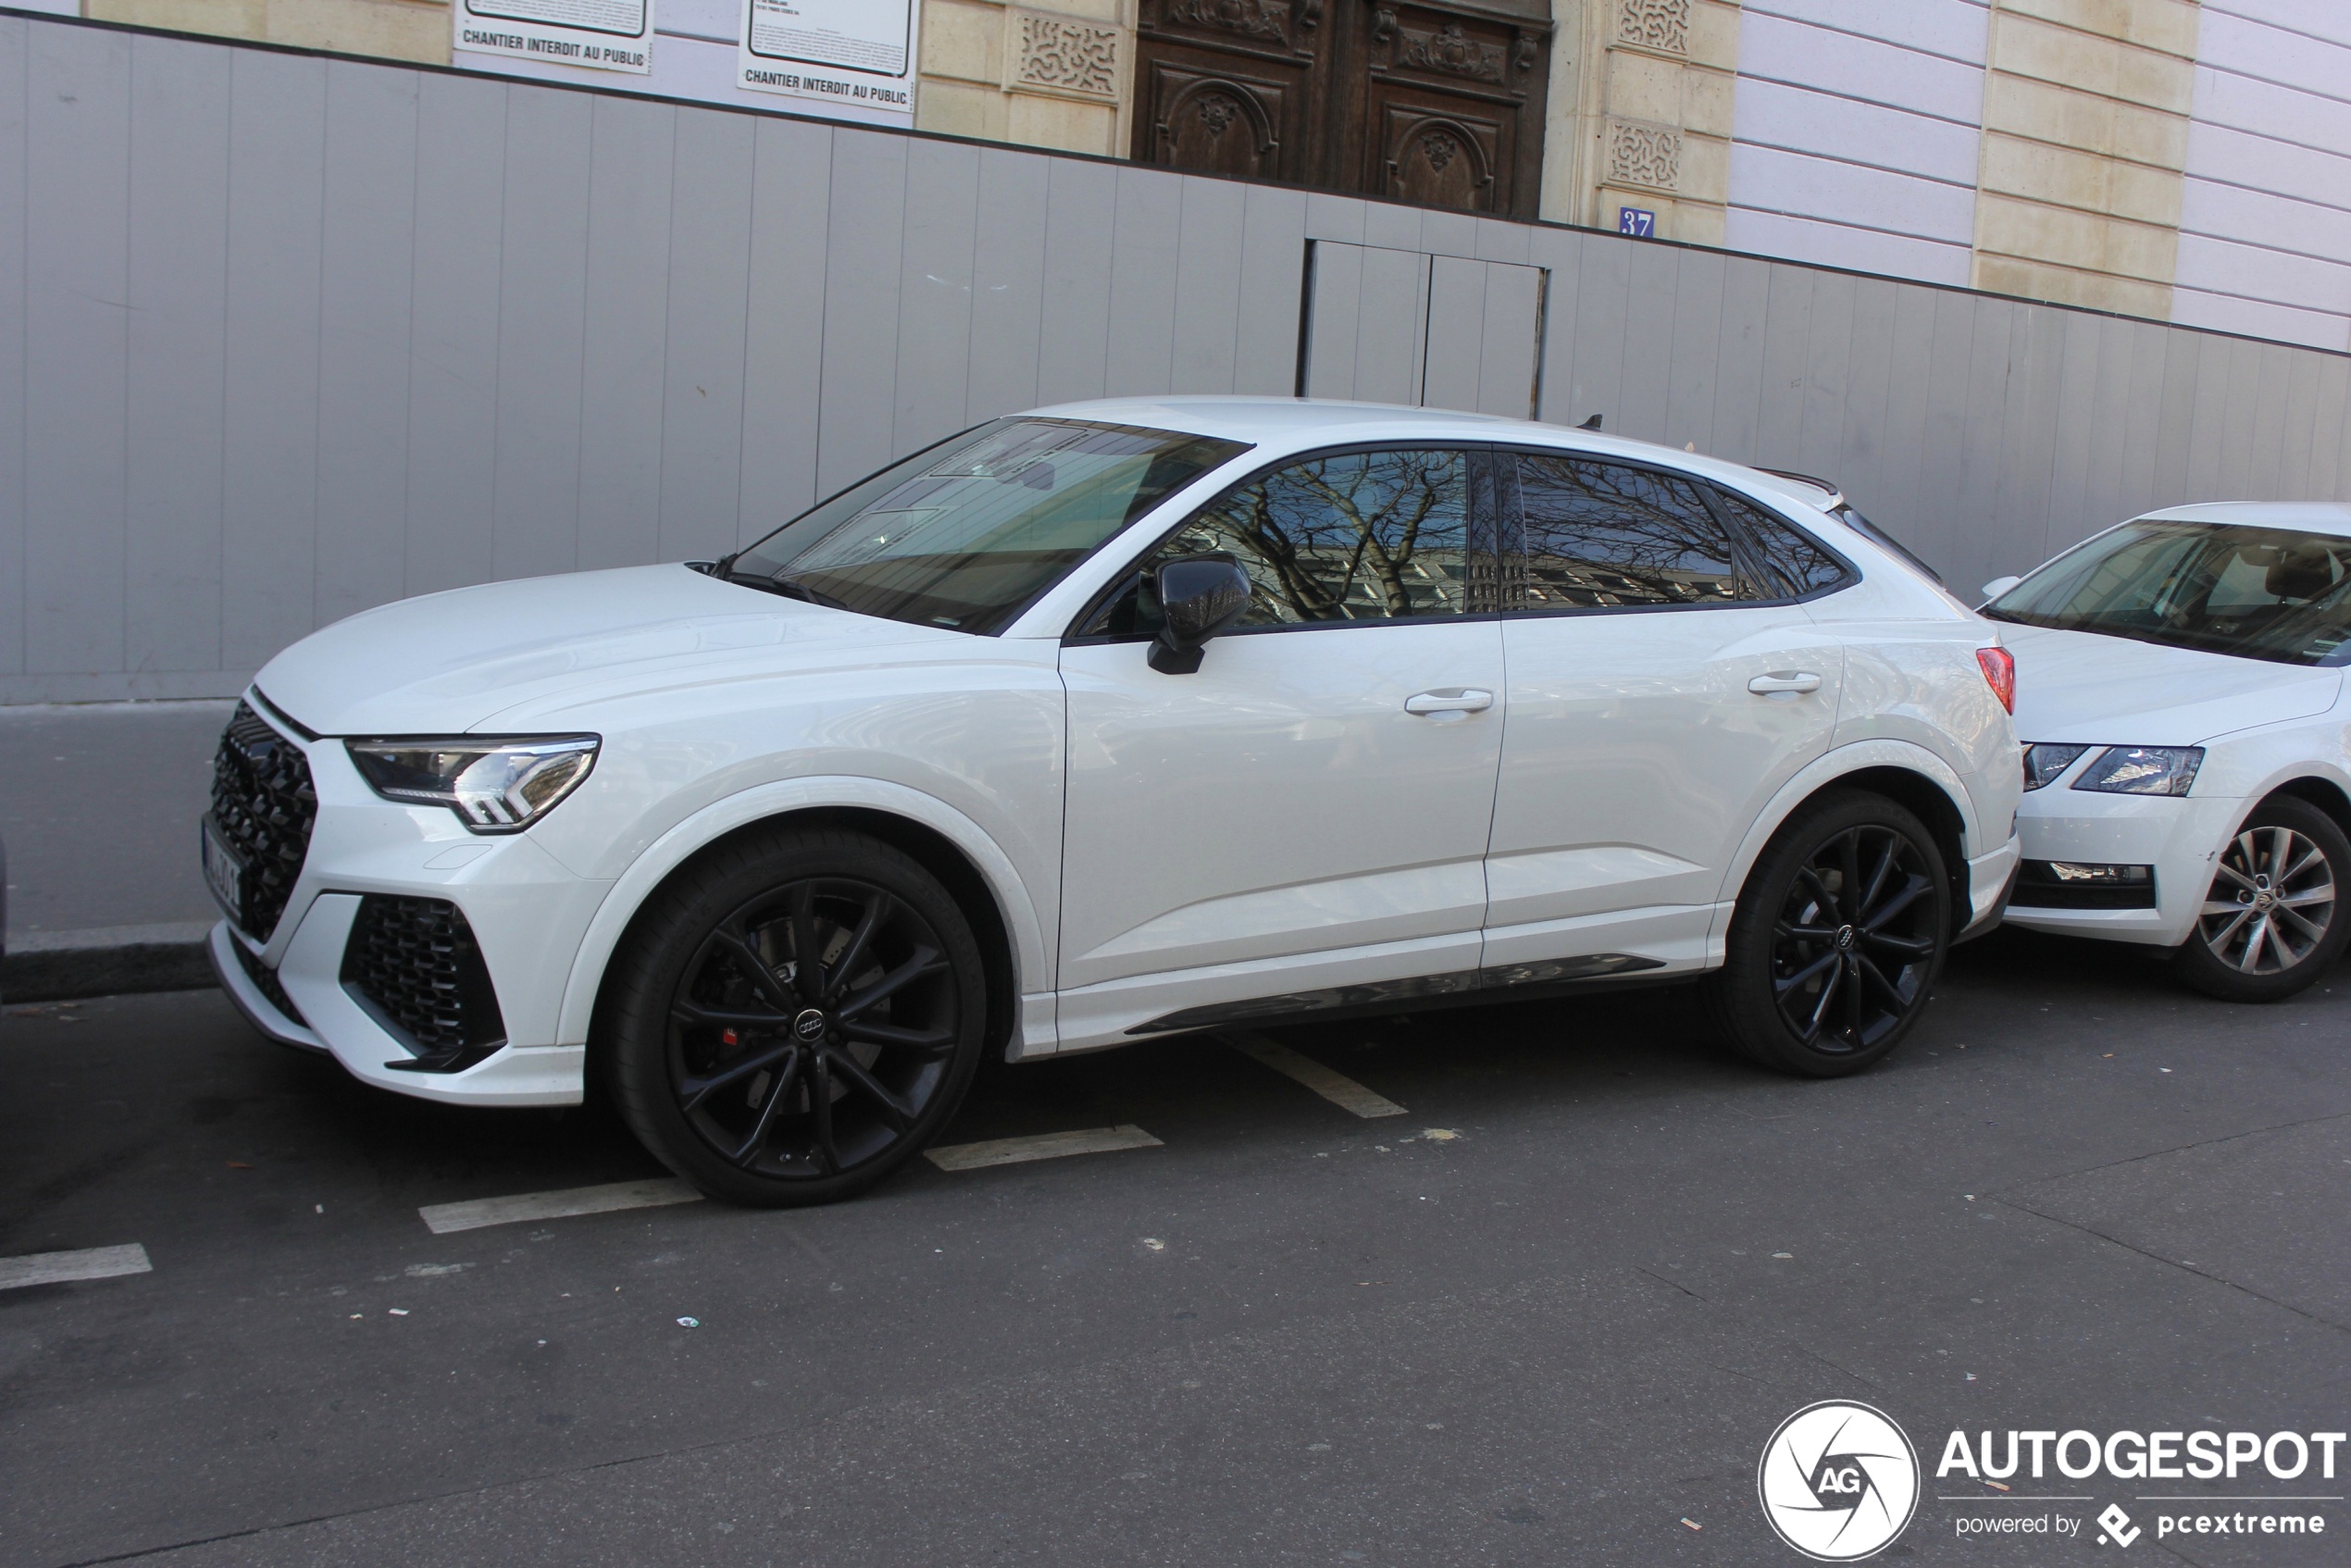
x=1632 y=220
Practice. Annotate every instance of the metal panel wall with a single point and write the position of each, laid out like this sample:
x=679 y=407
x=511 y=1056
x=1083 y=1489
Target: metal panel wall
x=283 y=337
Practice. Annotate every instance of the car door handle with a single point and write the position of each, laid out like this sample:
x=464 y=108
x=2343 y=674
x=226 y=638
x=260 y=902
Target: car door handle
x=1797 y=680
x=1452 y=700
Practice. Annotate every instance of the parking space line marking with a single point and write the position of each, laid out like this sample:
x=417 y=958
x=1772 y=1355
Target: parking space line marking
x=59 y=1268
x=443 y=1218
x=1044 y=1146
x=1336 y=1087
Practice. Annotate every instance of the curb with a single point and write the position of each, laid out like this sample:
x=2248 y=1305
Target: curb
x=114 y=961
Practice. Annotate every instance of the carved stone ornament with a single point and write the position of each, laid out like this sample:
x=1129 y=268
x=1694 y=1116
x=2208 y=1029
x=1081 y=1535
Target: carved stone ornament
x=1060 y=57
x=1663 y=25
x=1250 y=19
x=1450 y=52
x=1649 y=155
x=1438 y=148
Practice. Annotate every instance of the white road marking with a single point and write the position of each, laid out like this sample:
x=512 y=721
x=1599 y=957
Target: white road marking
x=1045 y=1146
x=58 y=1268
x=443 y=1218
x=1336 y=1087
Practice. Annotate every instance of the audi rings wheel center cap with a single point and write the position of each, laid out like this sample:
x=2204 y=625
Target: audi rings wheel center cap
x=1845 y=937
x=809 y=1027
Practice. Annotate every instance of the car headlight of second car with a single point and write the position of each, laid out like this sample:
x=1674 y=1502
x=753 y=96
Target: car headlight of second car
x=494 y=785
x=2142 y=770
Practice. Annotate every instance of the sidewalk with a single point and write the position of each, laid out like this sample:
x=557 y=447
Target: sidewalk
x=98 y=807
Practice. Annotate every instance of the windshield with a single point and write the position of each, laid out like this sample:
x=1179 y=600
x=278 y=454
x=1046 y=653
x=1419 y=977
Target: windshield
x=963 y=536
x=2260 y=594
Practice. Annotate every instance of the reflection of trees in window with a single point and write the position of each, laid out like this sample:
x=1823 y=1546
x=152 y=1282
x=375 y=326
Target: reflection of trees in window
x=1606 y=534
x=1359 y=536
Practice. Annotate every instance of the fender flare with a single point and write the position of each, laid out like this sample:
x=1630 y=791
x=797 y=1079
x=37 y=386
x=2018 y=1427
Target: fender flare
x=1837 y=763
x=672 y=849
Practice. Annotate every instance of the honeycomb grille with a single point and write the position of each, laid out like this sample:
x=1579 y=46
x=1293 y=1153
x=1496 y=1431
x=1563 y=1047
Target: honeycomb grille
x=263 y=805
x=415 y=965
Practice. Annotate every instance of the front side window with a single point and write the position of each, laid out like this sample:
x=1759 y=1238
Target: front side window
x=1351 y=536
x=2260 y=594
x=963 y=536
x=1607 y=535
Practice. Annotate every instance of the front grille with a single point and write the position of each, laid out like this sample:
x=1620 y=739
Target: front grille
x=265 y=979
x=263 y=805
x=414 y=964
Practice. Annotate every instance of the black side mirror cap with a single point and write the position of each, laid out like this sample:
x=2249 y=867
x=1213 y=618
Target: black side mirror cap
x=1199 y=597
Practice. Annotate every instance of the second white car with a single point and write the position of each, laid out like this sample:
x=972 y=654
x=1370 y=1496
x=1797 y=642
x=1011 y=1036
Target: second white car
x=2188 y=771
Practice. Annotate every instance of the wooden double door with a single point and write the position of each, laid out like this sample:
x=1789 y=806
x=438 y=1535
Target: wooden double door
x=1438 y=104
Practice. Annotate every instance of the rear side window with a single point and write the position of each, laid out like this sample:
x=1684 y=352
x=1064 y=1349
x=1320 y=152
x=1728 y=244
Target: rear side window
x=1792 y=562
x=1346 y=537
x=1609 y=535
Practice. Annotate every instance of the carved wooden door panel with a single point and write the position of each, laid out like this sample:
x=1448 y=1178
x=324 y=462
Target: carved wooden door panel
x=1436 y=102
x=1225 y=86
x=1444 y=96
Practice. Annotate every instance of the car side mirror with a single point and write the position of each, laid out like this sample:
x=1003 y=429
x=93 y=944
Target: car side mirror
x=1998 y=586
x=1198 y=598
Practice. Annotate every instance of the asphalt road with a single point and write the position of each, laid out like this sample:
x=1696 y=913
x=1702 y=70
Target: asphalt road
x=2079 y=1198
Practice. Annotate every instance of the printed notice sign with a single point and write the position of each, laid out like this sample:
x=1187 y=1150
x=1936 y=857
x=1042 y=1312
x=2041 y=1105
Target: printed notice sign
x=849 y=52
x=600 y=35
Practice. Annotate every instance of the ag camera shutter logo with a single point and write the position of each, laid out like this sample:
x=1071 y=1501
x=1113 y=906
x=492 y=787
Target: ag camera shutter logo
x=1838 y=1481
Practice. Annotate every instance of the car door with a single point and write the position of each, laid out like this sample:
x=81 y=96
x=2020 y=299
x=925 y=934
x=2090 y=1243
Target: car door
x=1663 y=683
x=1310 y=808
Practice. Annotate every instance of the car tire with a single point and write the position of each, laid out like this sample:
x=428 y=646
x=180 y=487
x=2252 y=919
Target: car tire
x=1837 y=939
x=762 y=1081
x=2253 y=939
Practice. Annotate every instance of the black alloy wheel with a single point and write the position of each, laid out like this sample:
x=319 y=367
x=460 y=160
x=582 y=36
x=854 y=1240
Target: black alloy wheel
x=799 y=1018
x=1837 y=939
x=2273 y=921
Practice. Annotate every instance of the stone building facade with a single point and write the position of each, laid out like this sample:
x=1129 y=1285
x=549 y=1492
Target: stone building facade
x=2184 y=160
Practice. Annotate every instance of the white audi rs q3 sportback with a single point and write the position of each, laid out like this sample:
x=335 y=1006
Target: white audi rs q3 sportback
x=1104 y=722
x=2189 y=741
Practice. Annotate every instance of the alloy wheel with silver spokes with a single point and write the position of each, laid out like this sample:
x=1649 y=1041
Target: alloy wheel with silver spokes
x=2271 y=904
x=2273 y=920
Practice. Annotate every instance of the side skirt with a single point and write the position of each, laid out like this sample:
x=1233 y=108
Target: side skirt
x=1466 y=986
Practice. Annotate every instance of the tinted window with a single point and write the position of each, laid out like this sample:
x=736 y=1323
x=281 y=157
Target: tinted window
x=1602 y=535
x=2260 y=594
x=1795 y=562
x=966 y=534
x=1355 y=536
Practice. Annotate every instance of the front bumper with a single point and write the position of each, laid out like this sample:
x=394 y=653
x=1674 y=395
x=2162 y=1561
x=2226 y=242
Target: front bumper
x=528 y=914
x=332 y=1023
x=2179 y=836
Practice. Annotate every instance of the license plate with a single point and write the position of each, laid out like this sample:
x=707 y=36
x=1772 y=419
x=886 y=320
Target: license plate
x=224 y=873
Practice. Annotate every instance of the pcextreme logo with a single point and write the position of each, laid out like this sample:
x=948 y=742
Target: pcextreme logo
x=1838 y=1481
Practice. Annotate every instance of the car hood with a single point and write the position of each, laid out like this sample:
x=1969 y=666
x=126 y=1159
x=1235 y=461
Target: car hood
x=2079 y=686
x=478 y=659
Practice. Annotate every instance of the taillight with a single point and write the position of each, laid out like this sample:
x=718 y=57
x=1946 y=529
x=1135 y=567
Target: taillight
x=2000 y=670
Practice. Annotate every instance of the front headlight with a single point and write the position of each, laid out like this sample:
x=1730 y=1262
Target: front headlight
x=494 y=785
x=2142 y=770
x=2044 y=762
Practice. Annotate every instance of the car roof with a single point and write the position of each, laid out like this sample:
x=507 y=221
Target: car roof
x=1295 y=423
x=2305 y=516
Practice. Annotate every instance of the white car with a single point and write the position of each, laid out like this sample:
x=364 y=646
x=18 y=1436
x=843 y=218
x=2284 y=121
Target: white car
x=1103 y=723
x=2189 y=743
